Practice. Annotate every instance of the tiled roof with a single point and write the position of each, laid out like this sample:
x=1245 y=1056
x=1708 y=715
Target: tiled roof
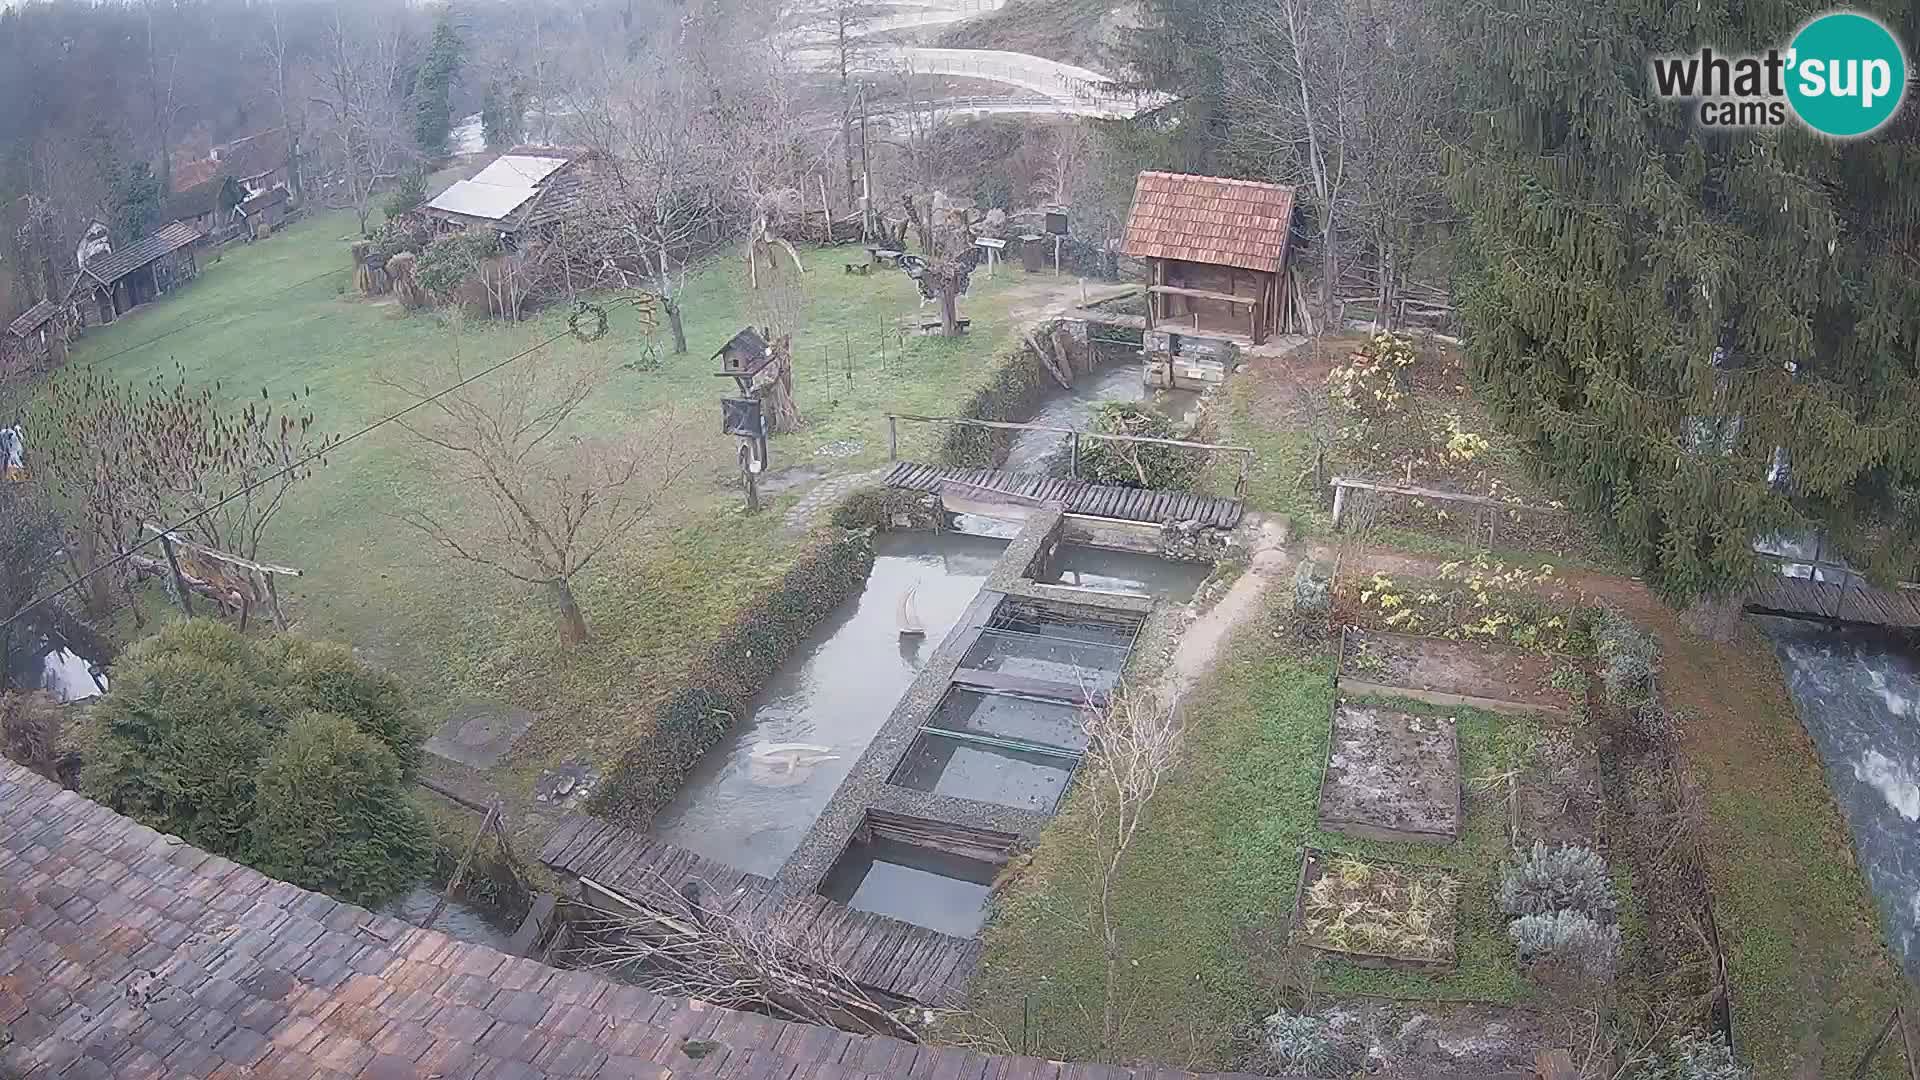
x=33 y=318
x=128 y=954
x=115 y=265
x=1209 y=219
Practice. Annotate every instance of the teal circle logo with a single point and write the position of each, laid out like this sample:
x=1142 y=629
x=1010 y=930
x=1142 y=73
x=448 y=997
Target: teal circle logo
x=1846 y=74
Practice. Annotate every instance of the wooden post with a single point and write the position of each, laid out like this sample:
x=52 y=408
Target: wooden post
x=1073 y=455
x=1339 y=504
x=179 y=579
x=273 y=601
x=1873 y=1048
x=826 y=212
x=460 y=870
x=893 y=438
x=1240 y=485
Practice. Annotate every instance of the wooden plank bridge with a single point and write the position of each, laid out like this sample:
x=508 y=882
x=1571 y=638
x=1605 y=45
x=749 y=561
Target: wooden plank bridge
x=1141 y=505
x=1850 y=603
x=879 y=953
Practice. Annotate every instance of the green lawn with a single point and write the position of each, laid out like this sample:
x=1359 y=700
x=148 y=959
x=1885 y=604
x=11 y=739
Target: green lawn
x=1204 y=896
x=280 y=315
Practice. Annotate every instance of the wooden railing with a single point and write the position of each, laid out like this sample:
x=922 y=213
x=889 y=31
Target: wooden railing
x=1074 y=435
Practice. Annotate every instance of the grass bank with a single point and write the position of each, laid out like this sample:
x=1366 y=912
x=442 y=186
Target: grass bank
x=279 y=315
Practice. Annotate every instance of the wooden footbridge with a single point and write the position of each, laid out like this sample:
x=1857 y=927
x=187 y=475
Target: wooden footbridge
x=1140 y=505
x=1851 y=604
x=892 y=957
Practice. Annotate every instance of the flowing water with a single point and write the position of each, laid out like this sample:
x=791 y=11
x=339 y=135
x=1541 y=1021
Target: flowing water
x=751 y=800
x=1119 y=380
x=458 y=921
x=1858 y=695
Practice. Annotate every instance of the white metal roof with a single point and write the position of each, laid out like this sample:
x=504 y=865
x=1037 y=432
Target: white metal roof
x=489 y=201
x=518 y=170
x=499 y=189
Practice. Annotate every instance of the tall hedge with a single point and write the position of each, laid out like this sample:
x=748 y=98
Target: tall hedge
x=329 y=815
x=1010 y=394
x=198 y=738
x=730 y=675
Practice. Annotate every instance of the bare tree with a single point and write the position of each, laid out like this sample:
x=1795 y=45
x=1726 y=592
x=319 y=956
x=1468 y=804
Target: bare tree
x=659 y=165
x=1133 y=738
x=281 y=53
x=552 y=503
x=362 y=100
x=947 y=257
x=1344 y=98
x=162 y=77
x=1293 y=92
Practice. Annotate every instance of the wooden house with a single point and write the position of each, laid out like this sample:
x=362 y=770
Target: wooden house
x=264 y=211
x=1216 y=250
x=35 y=341
x=144 y=270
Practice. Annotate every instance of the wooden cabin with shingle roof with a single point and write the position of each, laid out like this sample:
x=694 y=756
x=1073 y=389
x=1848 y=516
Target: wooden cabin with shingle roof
x=1217 y=251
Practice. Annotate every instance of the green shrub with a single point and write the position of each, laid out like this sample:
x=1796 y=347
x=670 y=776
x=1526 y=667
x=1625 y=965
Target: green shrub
x=196 y=710
x=330 y=813
x=1695 y=1057
x=1312 y=592
x=1301 y=1044
x=406 y=196
x=1568 y=940
x=1136 y=465
x=1565 y=878
x=1010 y=395
x=725 y=681
x=1629 y=659
x=324 y=676
x=180 y=739
x=449 y=261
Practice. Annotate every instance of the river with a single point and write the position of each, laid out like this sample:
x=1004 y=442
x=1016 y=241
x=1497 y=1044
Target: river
x=1116 y=380
x=1858 y=696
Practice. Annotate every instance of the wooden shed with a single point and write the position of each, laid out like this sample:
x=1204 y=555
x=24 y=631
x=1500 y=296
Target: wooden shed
x=1217 y=251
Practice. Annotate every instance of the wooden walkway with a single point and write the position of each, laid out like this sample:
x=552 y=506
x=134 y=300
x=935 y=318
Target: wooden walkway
x=1798 y=598
x=879 y=953
x=1079 y=497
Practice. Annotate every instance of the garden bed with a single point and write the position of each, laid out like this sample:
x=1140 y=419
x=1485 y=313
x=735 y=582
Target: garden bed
x=1486 y=676
x=1374 y=913
x=1391 y=775
x=1555 y=795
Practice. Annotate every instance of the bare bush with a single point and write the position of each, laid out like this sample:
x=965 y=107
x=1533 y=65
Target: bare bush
x=1133 y=740
x=671 y=941
x=30 y=731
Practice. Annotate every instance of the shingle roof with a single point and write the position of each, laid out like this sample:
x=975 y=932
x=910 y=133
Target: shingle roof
x=1210 y=219
x=128 y=954
x=115 y=265
x=33 y=318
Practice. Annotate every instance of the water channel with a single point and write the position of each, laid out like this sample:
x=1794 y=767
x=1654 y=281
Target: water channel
x=1858 y=696
x=753 y=798
x=1117 y=380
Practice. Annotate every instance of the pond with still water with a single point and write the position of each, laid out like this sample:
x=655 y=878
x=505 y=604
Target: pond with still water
x=751 y=800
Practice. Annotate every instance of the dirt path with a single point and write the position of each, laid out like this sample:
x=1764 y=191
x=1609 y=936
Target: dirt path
x=1268 y=562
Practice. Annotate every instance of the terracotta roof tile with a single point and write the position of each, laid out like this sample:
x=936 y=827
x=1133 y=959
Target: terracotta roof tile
x=1210 y=219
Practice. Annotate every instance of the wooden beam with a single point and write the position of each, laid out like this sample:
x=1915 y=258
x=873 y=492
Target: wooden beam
x=218 y=556
x=1203 y=294
x=1342 y=482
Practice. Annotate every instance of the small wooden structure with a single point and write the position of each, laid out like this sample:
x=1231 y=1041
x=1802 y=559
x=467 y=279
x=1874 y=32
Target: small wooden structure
x=1217 y=252
x=144 y=270
x=36 y=340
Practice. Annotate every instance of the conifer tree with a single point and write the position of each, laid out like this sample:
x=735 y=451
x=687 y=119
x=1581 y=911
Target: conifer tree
x=1708 y=335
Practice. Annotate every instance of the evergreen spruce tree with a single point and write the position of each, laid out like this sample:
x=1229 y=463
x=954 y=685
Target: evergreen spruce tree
x=433 y=87
x=1670 y=314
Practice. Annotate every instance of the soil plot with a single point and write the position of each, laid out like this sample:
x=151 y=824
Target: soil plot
x=1375 y=913
x=1494 y=677
x=1391 y=776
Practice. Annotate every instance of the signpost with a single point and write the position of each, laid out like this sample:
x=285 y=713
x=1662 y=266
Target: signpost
x=742 y=417
x=993 y=246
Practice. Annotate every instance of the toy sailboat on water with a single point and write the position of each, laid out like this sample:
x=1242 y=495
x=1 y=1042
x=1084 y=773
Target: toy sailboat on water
x=909 y=614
